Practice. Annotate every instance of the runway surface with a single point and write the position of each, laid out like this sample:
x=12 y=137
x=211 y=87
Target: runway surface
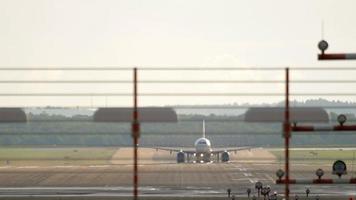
x=160 y=175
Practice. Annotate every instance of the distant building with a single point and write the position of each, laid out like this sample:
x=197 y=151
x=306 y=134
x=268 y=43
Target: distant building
x=12 y=115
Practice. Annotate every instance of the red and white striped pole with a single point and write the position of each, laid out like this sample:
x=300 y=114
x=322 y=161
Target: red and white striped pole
x=323 y=45
x=135 y=136
x=287 y=133
x=337 y=56
x=317 y=181
x=324 y=128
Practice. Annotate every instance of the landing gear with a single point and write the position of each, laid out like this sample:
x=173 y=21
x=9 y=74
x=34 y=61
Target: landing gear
x=203 y=158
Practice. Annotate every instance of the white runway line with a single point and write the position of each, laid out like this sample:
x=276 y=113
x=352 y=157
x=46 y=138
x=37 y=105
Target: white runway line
x=270 y=178
x=264 y=164
x=98 y=166
x=251 y=180
x=28 y=167
x=254 y=180
x=247 y=174
x=64 y=166
x=234 y=167
x=37 y=167
x=241 y=179
x=242 y=169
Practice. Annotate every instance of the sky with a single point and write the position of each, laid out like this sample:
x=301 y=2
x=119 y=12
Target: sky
x=175 y=33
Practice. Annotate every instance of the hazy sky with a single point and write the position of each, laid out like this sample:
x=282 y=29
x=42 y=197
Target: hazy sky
x=164 y=33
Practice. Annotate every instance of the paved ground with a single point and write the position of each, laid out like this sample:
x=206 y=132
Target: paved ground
x=159 y=174
x=146 y=156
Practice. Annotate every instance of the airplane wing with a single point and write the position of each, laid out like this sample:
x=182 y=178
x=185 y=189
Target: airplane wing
x=184 y=150
x=221 y=150
x=192 y=151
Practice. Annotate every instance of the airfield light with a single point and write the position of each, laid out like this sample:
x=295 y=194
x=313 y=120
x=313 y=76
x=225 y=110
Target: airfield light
x=339 y=168
x=264 y=192
x=248 y=192
x=258 y=186
x=341 y=119
x=228 y=192
x=273 y=197
x=201 y=155
x=307 y=192
x=323 y=45
x=280 y=174
x=319 y=173
x=268 y=189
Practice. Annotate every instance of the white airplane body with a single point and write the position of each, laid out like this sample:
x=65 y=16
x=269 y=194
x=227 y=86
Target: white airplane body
x=203 y=151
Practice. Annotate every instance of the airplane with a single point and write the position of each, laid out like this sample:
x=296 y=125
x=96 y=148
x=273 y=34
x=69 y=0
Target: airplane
x=203 y=152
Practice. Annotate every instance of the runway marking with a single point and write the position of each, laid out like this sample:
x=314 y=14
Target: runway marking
x=263 y=164
x=234 y=167
x=251 y=180
x=269 y=177
x=247 y=174
x=28 y=167
x=240 y=179
x=64 y=166
x=98 y=166
x=242 y=169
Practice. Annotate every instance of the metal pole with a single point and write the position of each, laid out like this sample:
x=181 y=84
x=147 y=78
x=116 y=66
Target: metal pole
x=337 y=56
x=135 y=135
x=287 y=135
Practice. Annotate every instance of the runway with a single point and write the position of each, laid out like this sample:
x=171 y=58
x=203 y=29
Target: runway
x=164 y=177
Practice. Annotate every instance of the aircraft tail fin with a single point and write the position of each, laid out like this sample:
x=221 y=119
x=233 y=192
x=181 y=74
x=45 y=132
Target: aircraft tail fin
x=203 y=128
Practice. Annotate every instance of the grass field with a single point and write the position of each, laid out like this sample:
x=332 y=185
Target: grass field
x=22 y=156
x=55 y=156
x=317 y=155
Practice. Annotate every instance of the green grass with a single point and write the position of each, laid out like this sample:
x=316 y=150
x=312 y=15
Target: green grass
x=317 y=154
x=50 y=156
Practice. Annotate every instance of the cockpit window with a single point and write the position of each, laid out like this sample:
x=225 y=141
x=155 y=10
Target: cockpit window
x=202 y=142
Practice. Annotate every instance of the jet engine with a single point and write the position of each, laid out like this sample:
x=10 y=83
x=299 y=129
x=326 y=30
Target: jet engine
x=180 y=157
x=225 y=156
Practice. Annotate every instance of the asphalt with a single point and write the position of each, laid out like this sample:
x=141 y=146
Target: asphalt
x=164 y=178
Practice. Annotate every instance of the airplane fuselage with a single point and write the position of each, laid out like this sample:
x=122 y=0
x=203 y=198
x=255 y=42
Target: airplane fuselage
x=202 y=150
